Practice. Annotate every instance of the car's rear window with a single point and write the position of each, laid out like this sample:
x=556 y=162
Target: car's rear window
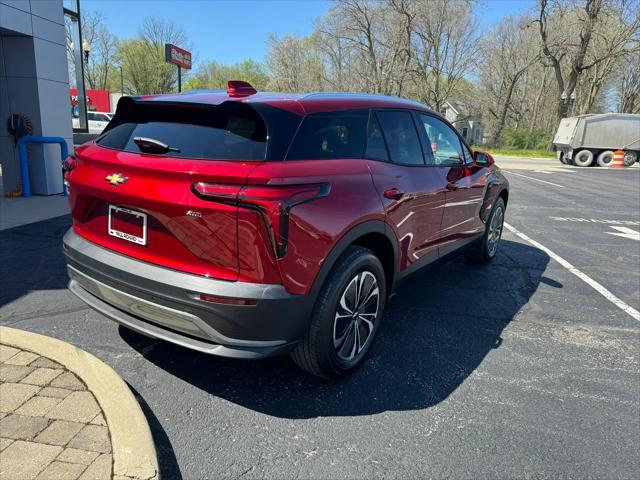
x=330 y=135
x=226 y=132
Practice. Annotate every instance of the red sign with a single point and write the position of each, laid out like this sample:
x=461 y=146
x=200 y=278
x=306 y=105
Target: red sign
x=97 y=100
x=177 y=56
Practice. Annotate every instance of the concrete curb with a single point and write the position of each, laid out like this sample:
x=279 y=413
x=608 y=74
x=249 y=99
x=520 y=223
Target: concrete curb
x=134 y=454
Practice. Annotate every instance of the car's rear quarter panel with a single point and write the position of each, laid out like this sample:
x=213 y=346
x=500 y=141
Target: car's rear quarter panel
x=316 y=227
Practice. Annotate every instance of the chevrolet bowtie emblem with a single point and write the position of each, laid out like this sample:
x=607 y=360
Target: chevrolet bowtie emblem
x=116 y=179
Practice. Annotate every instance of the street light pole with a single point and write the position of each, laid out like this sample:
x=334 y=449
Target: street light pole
x=121 y=81
x=86 y=48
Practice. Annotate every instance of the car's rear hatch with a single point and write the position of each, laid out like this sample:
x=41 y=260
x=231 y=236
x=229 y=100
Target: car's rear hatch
x=133 y=195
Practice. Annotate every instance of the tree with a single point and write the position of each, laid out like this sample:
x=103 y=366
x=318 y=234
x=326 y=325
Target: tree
x=626 y=84
x=103 y=48
x=508 y=54
x=570 y=31
x=214 y=75
x=446 y=44
x=143 y=61
x=294 y=64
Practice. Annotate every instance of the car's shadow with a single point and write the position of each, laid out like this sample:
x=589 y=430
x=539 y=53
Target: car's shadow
x=437 y=330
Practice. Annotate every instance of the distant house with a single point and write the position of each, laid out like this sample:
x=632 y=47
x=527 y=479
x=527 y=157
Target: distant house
x=467 y=123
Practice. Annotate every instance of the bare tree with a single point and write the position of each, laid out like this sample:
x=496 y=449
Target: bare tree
x=294 y=64
x=508 y=54
x=103 y=48
x=627 y=84
x=568 y=31
x=445 y=45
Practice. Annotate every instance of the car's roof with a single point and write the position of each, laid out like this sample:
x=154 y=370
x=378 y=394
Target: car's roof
x=301 y=104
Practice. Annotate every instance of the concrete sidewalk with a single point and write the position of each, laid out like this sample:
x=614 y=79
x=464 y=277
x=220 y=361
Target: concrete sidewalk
x=54 y=425
x=18 y=211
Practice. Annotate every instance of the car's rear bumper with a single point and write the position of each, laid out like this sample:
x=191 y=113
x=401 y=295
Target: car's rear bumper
x=163 y=303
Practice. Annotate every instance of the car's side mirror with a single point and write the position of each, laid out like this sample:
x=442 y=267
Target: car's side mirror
x=482 y=159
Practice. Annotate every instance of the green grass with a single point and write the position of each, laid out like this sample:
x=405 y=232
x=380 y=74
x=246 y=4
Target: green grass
x=516 y=152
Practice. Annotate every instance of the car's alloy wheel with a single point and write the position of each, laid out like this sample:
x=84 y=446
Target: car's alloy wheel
x=495 y=231
x=346 y=317
x=355 y=316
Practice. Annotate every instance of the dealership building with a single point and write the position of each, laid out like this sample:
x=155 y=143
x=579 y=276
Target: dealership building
x=34 y=83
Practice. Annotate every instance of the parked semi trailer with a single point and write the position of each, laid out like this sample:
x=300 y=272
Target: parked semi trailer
x=584 y=139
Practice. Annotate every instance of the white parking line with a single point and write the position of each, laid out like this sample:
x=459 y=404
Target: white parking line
x=582 y=276
x=533 y=178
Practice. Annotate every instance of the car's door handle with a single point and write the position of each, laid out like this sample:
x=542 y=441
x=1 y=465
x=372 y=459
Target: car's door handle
x=394 y=194
x=452 y=186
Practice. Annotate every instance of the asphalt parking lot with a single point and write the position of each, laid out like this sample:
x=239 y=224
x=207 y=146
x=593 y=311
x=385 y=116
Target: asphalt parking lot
x=528 y=367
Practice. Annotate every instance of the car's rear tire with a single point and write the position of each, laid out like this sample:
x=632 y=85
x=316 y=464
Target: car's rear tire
x=487 y=248
x=344 y=313
x=605 y=159
x=584 y=158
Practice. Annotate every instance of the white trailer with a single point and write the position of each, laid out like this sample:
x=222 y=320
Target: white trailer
x=581 y=140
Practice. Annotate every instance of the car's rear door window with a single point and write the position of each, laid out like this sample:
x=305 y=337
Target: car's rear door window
x=401 y=137
x=376 y=148
x=232 y=132
x=330 y=135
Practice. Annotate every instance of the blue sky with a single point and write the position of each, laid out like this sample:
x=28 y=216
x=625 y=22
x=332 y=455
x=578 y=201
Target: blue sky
x=231 y=31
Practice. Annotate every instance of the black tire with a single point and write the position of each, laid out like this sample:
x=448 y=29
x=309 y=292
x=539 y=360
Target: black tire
x=605 y=158
x=584 y=158
x=563 y=159
x=630 y=157
x=317 y=352
x=484 y=251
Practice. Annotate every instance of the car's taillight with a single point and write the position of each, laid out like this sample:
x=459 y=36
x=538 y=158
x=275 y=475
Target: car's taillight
x=273 y=202
x=69 y=164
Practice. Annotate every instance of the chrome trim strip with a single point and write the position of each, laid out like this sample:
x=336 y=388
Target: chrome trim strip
x=157 y=314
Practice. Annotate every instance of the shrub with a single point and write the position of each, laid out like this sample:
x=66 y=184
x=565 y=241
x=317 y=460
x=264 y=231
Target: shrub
x=524 y=139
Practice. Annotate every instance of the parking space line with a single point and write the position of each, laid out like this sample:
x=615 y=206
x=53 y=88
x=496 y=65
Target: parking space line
x=533 y=178
x=578 y=273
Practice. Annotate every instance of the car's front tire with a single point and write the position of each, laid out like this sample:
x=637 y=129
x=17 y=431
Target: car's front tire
x=487 y=248
x=346 y=316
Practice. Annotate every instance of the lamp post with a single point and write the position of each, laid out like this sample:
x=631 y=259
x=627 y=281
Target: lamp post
x=121 y=81
x=86 y=49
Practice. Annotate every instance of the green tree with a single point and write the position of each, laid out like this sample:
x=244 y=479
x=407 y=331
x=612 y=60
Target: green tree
x=214 y=75
x=143 y=61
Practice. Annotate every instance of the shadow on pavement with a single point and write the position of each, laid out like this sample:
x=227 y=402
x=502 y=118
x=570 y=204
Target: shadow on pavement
x=166 y=456
x=437 y=330
x=31 y=258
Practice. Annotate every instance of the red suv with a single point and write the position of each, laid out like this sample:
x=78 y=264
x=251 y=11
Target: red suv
x=249 y=224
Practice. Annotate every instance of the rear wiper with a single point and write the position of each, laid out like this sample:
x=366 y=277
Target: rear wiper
x=151 y=145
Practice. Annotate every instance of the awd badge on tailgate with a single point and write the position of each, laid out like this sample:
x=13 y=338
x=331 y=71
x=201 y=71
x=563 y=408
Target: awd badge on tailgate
x=116 y=179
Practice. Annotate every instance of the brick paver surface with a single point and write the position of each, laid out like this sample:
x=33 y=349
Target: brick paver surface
x=50 y=425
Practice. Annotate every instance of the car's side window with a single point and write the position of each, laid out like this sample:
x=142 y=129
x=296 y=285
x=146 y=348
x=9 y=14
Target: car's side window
x=401 y=137
x=467 y=153
x=376 y=148
x=444 y=142
x=330 y=136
